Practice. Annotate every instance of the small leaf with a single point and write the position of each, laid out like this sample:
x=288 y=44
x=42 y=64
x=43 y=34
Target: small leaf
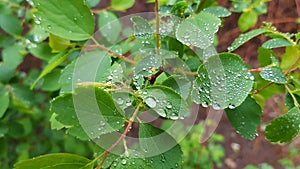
x=122 y=4
x=290 y=58
x=284 y=128
x=218 y=11
x=289 y=101
x=68 y=19
x=50 y=81
x=165 y=102
x=222 y=81
x=4 y=100
x=12 y=55
x=199 y=30
x=42 y=51
x=245 y=118
x=55 y=161
x=267 y=57
x=92 y=3
x=156 y=141
x=141 y=27
x=247 y=20
x=243 y=38
x=22 y=98
x=58 y=44
x=109 y=26
x=274 y=75
x=11 y=24
x=148 y=65
x=276 y=43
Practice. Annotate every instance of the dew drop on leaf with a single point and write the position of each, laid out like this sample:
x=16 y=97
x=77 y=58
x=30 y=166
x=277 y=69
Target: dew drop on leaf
x=151 y=102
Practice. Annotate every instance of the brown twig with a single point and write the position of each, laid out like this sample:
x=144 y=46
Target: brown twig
x=263 y=88
x=256 y=70
x=128 y=127
x=157 y=28
x=112 y=52
x=200 y=6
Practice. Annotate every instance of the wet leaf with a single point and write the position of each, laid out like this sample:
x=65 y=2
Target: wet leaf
x=93 y=106
x=154 y=141
x=245 y=118
x=165 y=102
x=274 y=75
x=276 y=43
x=148 y=65
x=129 y=162
x=284 y=128
x=222 y=81
x=109 y=26
x=50 y=81
x=12 y=56
x=267 y=57
x=181 y=84
x=141 y=27
x=42 y=51
x=199 y=30
x=289 y=101
x=290 y=57
x=218 y=11
x=68 y=19
x=243 y=38
x=58 y=44
x=55 y=161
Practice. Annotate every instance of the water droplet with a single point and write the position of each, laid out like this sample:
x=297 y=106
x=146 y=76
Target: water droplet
x=231 y=106
x=169 y=106
x=216 y=106
x=204 y=104
x=161 y=112
x=150 y=102
x=75 y=19
x=120 y=101
x=124 y=161
x=162 y=158
x=49 y=26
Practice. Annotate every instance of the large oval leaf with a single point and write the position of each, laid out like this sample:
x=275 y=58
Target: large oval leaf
x=222 y=81
x=68 y=19
x=245 y=118
x=56 y=161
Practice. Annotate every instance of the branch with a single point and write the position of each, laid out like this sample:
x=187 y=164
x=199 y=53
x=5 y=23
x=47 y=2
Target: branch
x=110 y=51
x=200 y=6
x=128 y=127
x=157 y=28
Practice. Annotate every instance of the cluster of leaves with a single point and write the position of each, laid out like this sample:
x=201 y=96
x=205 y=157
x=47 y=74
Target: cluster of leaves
x=99 y=92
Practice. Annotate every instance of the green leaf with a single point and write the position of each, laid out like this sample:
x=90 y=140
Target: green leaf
x=109 y=26
x=284 y=128
x=180 y=84
x=96 y=61
x=247 y=20
x=55 y=161
x=68 y=19
x=245 y=118
x=97 y=112
x=92 y=3
x=122 y=4
x=276 y=43
x=243 y=38
x=22 y=98
x=222 y=81
x=4 y=100
x=6 y=72
x=53 y=63
x=50 y=81
x=218 y=11
x=267 y=57
x=289 y=101
x=11 y=24
x=156 y=141
x=58 y=44
x=129 y=162
x=148 y=65
x=199 y=30
x=274 y=75
x=141 y=27
x=12 y=55
x=165 y=102
x=42 y=51
x=290 y=58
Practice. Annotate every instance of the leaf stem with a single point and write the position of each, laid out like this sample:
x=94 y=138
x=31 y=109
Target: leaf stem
x=294 y=98
x=97 y=45
x=127 y=129
x=157 y=28
x=200 y=6
x=263 y=88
